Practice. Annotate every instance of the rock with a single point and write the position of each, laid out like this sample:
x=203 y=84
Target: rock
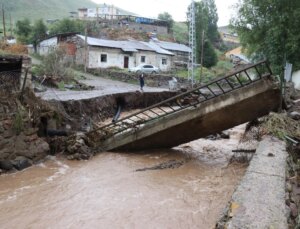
x=225 y=134
x=8 y=134
x=294 y=210
x=3 y=143
x=6 y=165
x=289 y=187
x=295 y=115
x=21 y=163
x=1 y=129
x=296 y=102
x=30 y=131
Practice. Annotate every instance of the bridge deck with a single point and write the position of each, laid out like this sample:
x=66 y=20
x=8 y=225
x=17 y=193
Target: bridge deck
x=221 y=104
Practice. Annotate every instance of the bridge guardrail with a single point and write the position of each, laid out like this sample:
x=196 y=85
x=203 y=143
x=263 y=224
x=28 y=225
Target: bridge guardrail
x=191 y=98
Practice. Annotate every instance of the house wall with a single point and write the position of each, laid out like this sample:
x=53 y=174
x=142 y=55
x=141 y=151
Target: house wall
x=148 y=28
x=115 y=58
x=180 y=56
x=47 y=45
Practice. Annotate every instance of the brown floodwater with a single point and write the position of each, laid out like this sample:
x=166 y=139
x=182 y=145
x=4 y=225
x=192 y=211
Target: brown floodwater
x=108 y=192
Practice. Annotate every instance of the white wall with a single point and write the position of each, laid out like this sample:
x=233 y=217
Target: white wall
x=115 y=58
x=296 y=79
x=47 y=45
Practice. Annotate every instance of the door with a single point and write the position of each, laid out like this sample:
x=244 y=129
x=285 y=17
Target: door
x=126 y=60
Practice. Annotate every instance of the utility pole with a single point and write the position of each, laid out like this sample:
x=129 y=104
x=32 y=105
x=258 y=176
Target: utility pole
x=202 y=49
x=85 y=49
x=192 y=44
x=11 y=26
x=3 y=17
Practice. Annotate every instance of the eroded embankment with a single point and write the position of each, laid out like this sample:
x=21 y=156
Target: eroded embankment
x=103 y=107
x=32 y=128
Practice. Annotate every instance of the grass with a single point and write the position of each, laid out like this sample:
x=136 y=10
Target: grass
x=55 y=9
x=221 y=69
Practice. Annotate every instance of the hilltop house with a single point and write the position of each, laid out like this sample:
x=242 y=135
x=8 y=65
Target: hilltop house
x=122 y=54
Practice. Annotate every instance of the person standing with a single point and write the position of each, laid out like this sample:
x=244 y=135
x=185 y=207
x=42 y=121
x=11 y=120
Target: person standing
x=142 y=81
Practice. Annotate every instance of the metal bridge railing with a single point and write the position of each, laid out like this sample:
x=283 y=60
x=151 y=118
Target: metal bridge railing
x=186 y=100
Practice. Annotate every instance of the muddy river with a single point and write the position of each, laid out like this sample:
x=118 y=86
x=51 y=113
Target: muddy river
x=108 y=192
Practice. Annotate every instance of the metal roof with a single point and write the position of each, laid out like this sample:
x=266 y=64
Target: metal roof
x=172 y=46
x=157 y=48
x=126 y=46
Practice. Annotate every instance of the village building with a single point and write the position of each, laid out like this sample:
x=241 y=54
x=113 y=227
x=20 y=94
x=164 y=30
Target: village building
x=122 y=54
x=237 y=57
x=181 y=51
x=59 y=40
x=112 y=17
x=108 y=11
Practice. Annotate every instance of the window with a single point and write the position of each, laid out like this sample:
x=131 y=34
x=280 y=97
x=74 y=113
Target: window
x=164 y=61
x=143 y=59
x=104 y=58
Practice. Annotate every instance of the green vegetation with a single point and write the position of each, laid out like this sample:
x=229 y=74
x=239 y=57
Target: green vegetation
x=66 y=26
x=267 y=30
x=37 y=9
x=167 y=17
x=208 y=74
x=206 y=18
x=27 y=33
x=180 y=32
x=18 y=123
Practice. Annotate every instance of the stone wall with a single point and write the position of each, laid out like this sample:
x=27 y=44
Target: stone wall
x=154 y=80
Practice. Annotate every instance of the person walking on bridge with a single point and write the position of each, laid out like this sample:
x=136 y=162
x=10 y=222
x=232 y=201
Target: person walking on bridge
x=142 y=81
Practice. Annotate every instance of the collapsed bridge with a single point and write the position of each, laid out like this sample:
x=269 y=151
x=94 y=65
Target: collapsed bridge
x=221 y=104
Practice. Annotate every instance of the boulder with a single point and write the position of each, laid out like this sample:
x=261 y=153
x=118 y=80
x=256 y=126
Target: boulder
x=295 y=115
x=6 y=165
x=21 y=163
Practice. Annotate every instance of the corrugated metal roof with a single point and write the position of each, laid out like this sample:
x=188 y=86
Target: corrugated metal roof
x=173 y=46
x=157 y=48
x=129 y=49
x=126 y=46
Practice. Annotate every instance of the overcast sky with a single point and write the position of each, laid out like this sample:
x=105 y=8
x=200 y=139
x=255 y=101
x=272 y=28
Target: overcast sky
x=177 y=8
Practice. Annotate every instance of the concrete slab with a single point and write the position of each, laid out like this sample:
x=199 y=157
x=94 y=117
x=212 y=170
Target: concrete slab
x=259 y=201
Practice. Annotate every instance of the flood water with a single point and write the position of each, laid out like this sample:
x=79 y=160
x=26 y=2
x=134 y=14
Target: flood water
x=108 y=192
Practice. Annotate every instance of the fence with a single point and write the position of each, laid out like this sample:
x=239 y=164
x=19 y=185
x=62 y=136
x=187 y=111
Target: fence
x=10 y=80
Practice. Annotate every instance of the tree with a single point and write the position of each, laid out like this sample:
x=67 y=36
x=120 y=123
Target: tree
x=206 y=19
x=39 y=31
x=168 y=18
x=212 y=20
x=267 y=30
x=66 y=26
x=23 y=30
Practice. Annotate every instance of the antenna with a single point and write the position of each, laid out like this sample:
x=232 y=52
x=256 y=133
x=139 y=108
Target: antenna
x=192 y=43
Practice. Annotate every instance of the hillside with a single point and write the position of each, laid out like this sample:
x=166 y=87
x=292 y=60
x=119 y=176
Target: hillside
x=46 y=9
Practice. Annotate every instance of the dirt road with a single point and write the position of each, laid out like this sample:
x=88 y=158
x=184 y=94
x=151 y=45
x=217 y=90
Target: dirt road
x=102 y=87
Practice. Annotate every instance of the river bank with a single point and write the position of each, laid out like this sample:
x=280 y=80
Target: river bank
x=107 y=191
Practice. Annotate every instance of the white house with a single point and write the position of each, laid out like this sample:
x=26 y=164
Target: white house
x=49 y=44
x=122 y=54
